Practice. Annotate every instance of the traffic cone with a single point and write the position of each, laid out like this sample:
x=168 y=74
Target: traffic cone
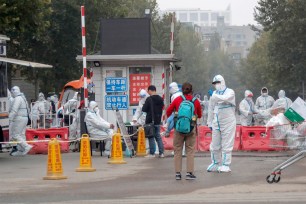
x=54 y=162
x=85 y=155
x=116 y=155
x=141 y=143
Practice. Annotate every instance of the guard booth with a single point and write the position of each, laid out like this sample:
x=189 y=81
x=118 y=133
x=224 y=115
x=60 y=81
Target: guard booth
x=118 y=79
x=125 y=65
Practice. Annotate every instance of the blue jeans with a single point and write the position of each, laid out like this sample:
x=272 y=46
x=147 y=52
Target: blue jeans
x=158 y=139
x=170 y=122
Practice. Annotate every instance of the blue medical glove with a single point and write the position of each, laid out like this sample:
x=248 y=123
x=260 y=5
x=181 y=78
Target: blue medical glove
x=210 y=92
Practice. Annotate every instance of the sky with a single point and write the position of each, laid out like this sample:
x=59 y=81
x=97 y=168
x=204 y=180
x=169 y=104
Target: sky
x=242 y=10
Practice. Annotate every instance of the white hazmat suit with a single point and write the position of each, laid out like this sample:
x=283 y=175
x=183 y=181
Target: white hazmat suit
x=71 y=109
x=222 y=120
x=282 y=101
x=97 y=127
x=246 y=109
x=139 y=117
x=38 y=111
x=18 y=119
x=262 y=107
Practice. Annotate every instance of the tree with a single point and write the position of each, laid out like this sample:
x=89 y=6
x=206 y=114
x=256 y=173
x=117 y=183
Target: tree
x=286 y=22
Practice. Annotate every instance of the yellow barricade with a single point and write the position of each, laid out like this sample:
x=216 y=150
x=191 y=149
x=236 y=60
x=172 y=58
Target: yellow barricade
x=116 y=155
x=85 y=155
x=54 y=163
x=141 y=143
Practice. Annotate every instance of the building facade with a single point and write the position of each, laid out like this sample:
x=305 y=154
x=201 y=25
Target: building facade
x=202 y=17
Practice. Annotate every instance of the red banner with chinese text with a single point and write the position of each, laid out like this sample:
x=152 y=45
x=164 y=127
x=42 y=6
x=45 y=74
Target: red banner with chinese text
x=138 y=82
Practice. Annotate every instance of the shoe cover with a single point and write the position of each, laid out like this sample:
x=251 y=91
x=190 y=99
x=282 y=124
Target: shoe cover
x=213 y=167
x=224 y=169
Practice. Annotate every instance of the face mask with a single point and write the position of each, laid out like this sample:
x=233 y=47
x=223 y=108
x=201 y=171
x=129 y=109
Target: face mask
x=264 y=94
x=249 y=99
x=218 y=87
x=96 y=109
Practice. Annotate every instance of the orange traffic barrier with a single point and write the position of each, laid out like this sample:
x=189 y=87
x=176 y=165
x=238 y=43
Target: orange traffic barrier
x=54 y=165
x=141 y=143
x=85 y=155
x=116 y=154
x=255 y=138
x=39 y=147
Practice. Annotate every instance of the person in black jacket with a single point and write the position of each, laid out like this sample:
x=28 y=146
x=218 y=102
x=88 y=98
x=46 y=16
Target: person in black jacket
x=155 y=103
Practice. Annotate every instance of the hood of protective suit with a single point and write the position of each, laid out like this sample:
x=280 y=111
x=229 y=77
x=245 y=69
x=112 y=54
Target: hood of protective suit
x=263 y=94
x=15 y=91
x=281 y=94
x=92 y=105
x=219 y=78
x=205 y=98
x=143 y=93
x=173 y=88
x=248 y=93
x=75 y=97
x=41 y=96
x=54 y=98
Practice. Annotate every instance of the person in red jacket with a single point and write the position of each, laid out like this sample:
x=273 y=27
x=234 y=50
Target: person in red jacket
x=189 y=138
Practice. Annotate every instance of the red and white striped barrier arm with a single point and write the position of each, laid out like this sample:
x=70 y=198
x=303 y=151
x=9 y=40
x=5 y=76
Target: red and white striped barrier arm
x=84 y=56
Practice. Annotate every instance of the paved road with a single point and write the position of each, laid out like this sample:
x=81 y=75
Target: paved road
x=144 y=180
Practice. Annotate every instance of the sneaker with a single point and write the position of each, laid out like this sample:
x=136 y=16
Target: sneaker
x=27 y=149
x=150 y=156
x=161 y=156
x=17 y=153
x=212 y=167
x=190 y=176
x=224 y=169
x=178 y=176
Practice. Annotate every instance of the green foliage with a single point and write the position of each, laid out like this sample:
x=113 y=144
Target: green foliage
x=284 y=63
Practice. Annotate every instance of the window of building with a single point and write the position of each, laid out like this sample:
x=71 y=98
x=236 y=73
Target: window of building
x=194 y=17
x=236 y=56
x=214 y=16
x=238 y=36
x=238 y=43
x=183 y=17
x=204 y=16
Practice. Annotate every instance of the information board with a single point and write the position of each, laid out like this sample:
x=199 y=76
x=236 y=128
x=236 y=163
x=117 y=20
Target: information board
x=138 y=82
x=116 y=101
x=115 y=84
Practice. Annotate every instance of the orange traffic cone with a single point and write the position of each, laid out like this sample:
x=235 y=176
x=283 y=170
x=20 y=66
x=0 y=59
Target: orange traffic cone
x=54 y=165
x=116 y=155
x=85 y=156
x=141 y=143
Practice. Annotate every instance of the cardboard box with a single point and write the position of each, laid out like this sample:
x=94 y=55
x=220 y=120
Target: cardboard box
x=297 y=111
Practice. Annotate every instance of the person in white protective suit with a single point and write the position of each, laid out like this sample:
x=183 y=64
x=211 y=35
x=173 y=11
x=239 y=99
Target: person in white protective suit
x=262 y=107
x=282 y=101
x=18 y=119
x=97 y=127
x=222 y=122
x=54 y=104
x=71 y=117
x=205 y=104
x=246 y=109
x=38 y=111
x=139 y=117
x=175 y=92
